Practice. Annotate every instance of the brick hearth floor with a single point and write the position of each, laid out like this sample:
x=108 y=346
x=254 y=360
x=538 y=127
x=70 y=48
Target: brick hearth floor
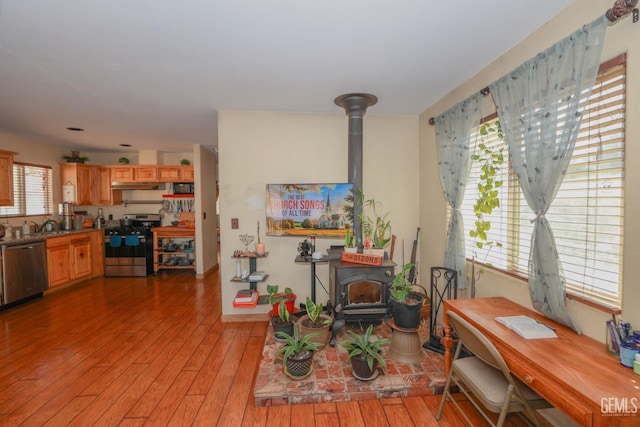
x=332 y=380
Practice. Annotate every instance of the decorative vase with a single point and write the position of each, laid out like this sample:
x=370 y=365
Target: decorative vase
x=299 y=366
x=360 y=368
x=305 y=326
x=407 y=315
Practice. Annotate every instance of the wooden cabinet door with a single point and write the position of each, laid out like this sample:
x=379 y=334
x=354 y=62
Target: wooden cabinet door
x=58 y=262
x=122 y=173
x=169 y=174
x=97 y=253
x=101 y=191
x=80 y=256
x=6 y=178
x=83 y=186
x=188 y=175
x=146 y=174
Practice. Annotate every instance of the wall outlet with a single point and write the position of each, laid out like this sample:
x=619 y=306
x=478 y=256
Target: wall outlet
x=234 y=223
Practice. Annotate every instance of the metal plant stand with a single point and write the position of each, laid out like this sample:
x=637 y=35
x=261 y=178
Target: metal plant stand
x=444 y=285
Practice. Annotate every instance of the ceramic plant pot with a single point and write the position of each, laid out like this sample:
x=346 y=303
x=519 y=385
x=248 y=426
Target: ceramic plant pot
x=279 y=326
x=305 y=326
x=289 y=302
x=407 y=314
x=299 y=366
x=360 y=368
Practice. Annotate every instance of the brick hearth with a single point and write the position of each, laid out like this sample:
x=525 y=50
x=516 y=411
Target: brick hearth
x=332 y=380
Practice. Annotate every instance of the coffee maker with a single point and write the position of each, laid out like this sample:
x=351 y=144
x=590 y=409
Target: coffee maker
x=65 y=210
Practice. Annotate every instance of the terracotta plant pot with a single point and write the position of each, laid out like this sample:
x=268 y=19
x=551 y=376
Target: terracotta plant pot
x=407 y=315
x=305 y=326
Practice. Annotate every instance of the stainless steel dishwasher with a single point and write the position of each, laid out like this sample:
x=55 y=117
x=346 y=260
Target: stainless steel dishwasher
x=24 y=270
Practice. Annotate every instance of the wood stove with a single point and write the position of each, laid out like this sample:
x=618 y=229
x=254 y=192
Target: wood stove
x=359 y=293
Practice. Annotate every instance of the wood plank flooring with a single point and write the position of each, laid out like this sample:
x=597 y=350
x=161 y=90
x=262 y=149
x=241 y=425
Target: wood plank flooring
x=153 y=351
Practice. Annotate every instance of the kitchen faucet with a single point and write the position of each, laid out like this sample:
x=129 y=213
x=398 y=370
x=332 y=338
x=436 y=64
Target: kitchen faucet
x=49 y=225
x=36 y=227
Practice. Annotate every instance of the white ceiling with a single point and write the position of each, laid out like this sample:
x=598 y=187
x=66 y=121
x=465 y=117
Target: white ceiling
x=154 y=73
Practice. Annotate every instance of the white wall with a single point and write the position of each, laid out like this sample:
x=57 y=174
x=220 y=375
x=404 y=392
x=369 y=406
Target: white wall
x=622 y=37
x=256 y=149
x=205 y=207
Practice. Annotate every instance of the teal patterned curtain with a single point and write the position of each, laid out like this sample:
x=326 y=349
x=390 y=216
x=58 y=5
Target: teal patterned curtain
x=453 y=129
x=540 y=109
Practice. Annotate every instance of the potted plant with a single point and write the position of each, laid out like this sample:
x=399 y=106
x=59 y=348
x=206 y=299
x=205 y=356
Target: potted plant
x=123 y=161
x=281 y=322
x=349 y=240
x=365 y=353
x=376 y=227
x=275 y=297
x=75 y=157
x=406 y=305
x=185 y=162
x=297 y=353
x=316 y=322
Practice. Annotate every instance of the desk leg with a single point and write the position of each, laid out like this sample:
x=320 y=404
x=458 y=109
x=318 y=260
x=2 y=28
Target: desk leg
x=447 y=341
x=313 y=282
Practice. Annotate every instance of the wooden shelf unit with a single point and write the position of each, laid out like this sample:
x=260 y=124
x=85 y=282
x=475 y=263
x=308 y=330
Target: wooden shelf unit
x=160 y=256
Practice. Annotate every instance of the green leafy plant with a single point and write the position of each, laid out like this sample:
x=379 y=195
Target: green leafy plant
x=349 y=238
x=491 y=159
x=400 y=287
x=314 y=311
x=75 y=156
x=361 y=345
x=274 y=297
x=295 y=345
x=376 y=227
x=123 y=161
x=283 y=313
x=185 y=162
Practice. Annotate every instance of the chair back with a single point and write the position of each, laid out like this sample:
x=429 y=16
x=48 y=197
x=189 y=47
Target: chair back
x=477 y=343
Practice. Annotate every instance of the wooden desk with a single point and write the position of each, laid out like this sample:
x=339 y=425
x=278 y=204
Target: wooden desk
x=573 y=372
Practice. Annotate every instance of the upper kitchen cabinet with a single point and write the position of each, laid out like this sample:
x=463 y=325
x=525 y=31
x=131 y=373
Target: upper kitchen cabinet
x=175 y=174
x=134 y=173
x=6 y=178
x=92 y=184
x=101 y=192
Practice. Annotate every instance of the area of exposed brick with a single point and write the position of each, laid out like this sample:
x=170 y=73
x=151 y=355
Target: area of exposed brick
x=332 y=380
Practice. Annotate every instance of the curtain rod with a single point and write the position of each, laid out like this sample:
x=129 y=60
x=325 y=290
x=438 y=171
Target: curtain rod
x=619 y=9
x=483 y=92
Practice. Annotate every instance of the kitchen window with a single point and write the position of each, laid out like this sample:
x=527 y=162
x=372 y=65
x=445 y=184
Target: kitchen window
x=32 y=191
x=587 y=214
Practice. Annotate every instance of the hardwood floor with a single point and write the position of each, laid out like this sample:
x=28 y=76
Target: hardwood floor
x=134 y=351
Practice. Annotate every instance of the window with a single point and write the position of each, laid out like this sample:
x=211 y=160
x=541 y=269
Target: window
x=587 y=213
x=32 y=191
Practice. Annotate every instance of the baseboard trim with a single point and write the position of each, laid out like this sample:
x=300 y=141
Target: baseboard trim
x=228 y=318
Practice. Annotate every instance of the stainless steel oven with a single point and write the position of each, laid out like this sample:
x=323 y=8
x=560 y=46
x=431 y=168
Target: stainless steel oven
x=128 y=250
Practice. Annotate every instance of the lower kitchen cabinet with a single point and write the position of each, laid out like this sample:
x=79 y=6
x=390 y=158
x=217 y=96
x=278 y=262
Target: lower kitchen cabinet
x=69 y=258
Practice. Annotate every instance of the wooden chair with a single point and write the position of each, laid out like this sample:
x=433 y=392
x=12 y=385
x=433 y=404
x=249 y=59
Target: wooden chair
x=485 y=379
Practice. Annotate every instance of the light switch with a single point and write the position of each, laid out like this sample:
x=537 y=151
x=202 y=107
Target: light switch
x=234 y=223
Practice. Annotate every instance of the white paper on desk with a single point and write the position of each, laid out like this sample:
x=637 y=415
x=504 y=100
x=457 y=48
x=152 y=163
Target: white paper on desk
x=527 y=327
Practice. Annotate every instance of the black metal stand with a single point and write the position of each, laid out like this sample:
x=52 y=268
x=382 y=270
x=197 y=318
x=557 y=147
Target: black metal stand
x=444 y=284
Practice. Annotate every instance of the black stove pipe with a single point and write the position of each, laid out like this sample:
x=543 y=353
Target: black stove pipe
x=355 y=105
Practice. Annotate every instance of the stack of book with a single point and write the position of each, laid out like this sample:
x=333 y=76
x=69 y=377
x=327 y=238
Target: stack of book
x=246 y=298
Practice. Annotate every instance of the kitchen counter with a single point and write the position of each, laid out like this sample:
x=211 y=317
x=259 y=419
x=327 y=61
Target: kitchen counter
x=36 y=237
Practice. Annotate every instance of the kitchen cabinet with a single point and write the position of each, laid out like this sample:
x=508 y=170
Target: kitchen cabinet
x=175 y=174
x=134 y=173
x=101 y=192
x=68 y=258
x=97 y=253
x=161 y=257
x=6 y=178
x=92 y=184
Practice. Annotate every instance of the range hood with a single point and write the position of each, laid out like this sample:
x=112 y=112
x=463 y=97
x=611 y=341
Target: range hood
x=134 y=186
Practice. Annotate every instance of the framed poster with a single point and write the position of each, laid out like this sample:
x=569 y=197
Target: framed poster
x=324 y=210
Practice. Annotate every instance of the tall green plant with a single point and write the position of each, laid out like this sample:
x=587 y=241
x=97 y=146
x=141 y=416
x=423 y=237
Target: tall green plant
x=375 y=226
x=491 y=161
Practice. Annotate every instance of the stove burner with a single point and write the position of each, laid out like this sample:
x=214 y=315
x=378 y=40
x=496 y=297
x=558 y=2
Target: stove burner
x=126 y=231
